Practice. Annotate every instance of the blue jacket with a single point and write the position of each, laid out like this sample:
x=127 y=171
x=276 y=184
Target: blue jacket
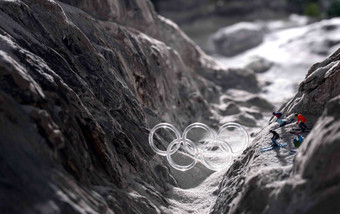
x=300 y=138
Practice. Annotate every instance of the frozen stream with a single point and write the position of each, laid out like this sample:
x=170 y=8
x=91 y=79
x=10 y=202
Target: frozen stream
x=293 y=51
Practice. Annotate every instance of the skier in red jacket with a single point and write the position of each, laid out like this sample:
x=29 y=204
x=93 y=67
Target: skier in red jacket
x=302 y=121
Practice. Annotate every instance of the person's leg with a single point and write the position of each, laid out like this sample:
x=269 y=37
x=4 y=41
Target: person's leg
x=283 y=124
x=274 y=142
x=301 y=126
x=304 y=125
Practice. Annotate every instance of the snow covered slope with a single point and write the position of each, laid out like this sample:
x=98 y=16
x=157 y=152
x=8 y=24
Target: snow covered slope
x=276 y=181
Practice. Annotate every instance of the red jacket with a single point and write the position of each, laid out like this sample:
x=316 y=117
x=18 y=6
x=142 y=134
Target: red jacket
x=301 y=118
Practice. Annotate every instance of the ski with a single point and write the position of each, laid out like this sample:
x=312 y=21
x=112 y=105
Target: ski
x=294 y=132
x=292 y=152
x=267 y=148
x=298 y=130
x=272 y=147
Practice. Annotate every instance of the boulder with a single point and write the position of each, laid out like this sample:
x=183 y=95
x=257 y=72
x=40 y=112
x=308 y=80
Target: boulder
x=259 y=65
x=259 y=102
x=235 y=39
x=246 y=120
x=230 y=109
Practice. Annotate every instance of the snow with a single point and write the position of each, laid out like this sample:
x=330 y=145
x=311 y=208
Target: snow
x=237 y=27
x=294 y=51
x=196 y=200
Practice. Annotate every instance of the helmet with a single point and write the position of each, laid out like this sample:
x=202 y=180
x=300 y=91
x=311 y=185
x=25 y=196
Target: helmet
x=274 y=113
x=297 y=133
x=270 y=130
x=296 y=115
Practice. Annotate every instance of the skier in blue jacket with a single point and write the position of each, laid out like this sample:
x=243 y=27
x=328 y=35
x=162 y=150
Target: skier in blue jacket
x=280 y=121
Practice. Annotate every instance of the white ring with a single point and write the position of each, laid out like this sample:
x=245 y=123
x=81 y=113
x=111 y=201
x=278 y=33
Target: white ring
x=243 y=130
x=197 y=125
x=165 y=126
x=219 y=144
x=172 y=162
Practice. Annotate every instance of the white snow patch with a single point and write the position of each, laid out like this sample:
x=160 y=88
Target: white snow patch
x=196 y=200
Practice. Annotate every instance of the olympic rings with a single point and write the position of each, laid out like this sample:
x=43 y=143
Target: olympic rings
x=209 y=153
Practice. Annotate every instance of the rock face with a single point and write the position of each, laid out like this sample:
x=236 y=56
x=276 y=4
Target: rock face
x=81 y=85
x=232 y=40
x=278 y=182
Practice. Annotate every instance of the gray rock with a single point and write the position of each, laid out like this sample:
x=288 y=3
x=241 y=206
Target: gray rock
x=246 y=120
x=230 y=109
x=259 y=102
x=235 y=39
x=256 y=114
x=259 y=65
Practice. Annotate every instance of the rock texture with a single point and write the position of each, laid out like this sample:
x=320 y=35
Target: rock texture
x=81 y=85
x=278 y=182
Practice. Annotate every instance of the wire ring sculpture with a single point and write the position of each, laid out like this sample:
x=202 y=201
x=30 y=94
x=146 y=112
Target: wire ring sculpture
x=206 y=151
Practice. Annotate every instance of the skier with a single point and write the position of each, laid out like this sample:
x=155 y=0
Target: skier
x=297 y=141
x=275 y=137
x=277 y=114
x=302 y=121
x=280 y=121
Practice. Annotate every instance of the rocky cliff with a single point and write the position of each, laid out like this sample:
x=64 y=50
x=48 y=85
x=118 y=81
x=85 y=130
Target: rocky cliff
x=82 y=82
x=276 y=181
